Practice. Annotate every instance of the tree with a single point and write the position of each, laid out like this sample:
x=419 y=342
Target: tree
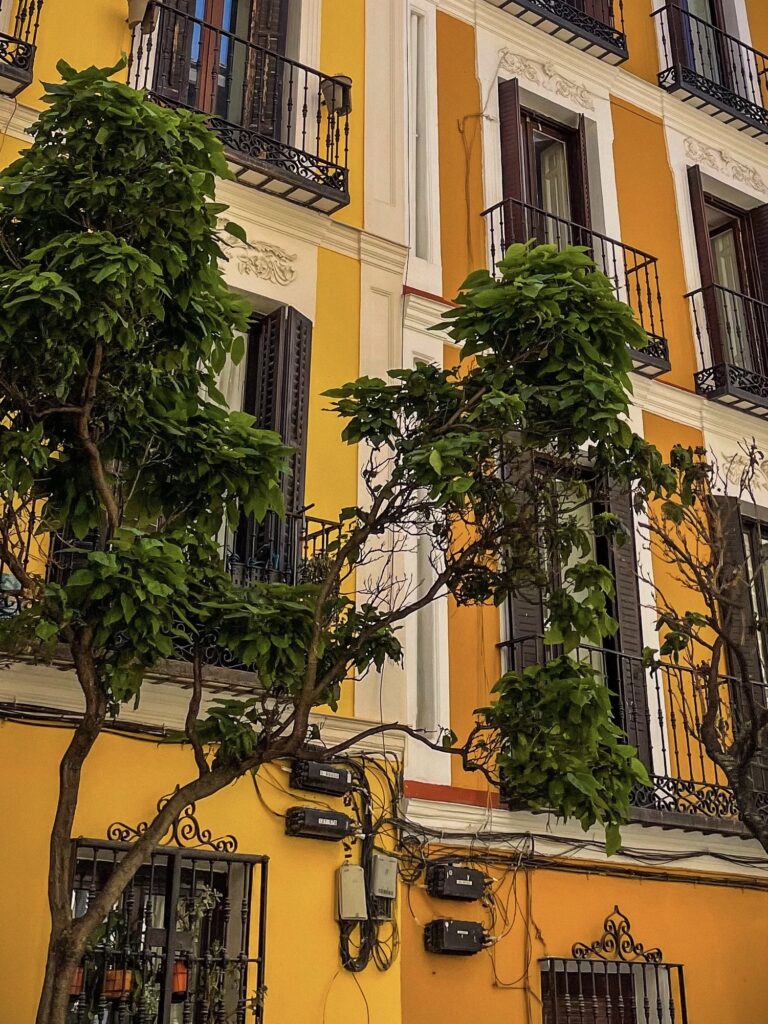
x=116 y=325
x=697 y=532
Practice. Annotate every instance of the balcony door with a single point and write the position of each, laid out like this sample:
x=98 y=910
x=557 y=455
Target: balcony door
x=222 y=57
x=732 y=247
x=544 y=174
x=704 y=44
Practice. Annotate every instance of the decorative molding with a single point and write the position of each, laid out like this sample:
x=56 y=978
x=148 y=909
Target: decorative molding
x=546 y=75
x=185 y=831
x=617 y=943
x=719 y=160
x=267 y=261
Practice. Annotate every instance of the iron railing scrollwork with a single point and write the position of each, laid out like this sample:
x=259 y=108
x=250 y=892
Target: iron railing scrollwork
x=732 y=336
x=18 y=44
x=713 y=69
x=666 y=706
x=613 y=979
x=285 y=125
x=633 y=273
x=597 y=24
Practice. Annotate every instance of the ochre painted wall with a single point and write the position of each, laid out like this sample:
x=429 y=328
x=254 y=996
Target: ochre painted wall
x=459 y=111
x=474 y=660
x=757 y=12
x=122 y=782
x=649 y=221
x=641 y=39
x=714 y=932
x=342 y=52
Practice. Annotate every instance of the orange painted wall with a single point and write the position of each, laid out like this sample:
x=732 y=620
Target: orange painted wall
x=459 y=108
x=474 y=660
x=649 y=221
x=641 y=39
x=757 y=12
x=707 y=929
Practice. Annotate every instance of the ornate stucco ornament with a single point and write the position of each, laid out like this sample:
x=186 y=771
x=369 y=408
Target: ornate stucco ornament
x=547 y=76
x=267 y=261
x=719 y=160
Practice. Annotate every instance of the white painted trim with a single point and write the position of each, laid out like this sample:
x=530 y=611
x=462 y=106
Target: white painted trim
x=453 y=817
x=425 y=273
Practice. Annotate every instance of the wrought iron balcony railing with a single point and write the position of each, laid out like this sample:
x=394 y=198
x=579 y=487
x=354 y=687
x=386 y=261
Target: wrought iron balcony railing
x=594 y=26
x=661 y=711
x=634 y=273
x=732 y=335
x=17 y=44
x=713 y=70
x=285 y=125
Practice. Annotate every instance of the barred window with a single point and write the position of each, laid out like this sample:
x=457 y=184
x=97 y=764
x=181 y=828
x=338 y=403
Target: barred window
x=184 y=944
x=594 y=992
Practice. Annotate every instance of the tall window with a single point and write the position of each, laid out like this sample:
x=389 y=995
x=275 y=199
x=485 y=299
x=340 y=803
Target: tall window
x=419 y=184
x=426 y=636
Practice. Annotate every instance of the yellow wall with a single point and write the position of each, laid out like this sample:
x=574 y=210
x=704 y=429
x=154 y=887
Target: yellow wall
x=342 y=52
x=649 y=221
x=122 y=782
x=460 y=149
x=641 y=39
x=705 y=928
x=757 y=12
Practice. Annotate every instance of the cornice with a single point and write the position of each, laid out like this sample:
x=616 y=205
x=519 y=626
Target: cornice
x=447 y=817
x=16 y=119
x=422 y=312
x=383 y=253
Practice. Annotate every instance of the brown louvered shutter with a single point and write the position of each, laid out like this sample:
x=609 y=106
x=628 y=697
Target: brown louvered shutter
x=277 y=394
x=758 y=220
x=512 y=162
x=628 y=672
x=525 y=610
x=706 y=262
x=174 y=50
x=582 y=211
x=264 y=84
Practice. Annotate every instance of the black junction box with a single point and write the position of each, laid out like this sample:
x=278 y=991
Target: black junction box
x=318 y=777
x=454 y=938
x=317 y=823
x=451 y=882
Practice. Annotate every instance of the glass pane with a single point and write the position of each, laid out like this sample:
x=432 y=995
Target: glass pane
x=551 y=162
x=732 y=308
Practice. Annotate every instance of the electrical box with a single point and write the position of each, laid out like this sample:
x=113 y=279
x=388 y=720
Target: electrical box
x=317 y=823
x=381 y=908
x=454 y=938
x=451 y=882
x=384 y=876
x=318 y=777
x=350 y=893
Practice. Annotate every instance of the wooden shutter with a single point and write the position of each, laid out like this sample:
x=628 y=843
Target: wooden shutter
x=629 y=672
x=512 y=162
x=758 y=221
x=525 y=610
x=174 y=50
x=266 y=72
x=277 y=394
x=582 y=211
x=706 y=262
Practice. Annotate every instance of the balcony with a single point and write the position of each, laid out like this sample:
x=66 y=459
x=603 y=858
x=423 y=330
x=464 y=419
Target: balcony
x=17 y=45
x=634 y=273
x=292 y=550
x=594 y=26
x=732 y=336
x=285 y=126
x=661 y=712
x=713 y=70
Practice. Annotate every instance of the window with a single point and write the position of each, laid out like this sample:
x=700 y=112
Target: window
x=619 y=659
x=419 y=183
x=276 y=392
x=183 y=945
x=732 y=249
x=614 y=980
x=426 y=637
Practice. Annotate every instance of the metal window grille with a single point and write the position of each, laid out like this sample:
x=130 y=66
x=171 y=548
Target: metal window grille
x=184 y=944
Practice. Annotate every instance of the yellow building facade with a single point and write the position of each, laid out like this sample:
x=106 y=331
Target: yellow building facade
x=391 y=147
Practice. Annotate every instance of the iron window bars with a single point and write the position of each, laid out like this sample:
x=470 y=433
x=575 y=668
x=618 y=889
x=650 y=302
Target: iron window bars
x=17 y=45
x=614 y=980
x=634 y=273
x=184 y=944
x=285 y=125
x=594 y=26
x=713 y=70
